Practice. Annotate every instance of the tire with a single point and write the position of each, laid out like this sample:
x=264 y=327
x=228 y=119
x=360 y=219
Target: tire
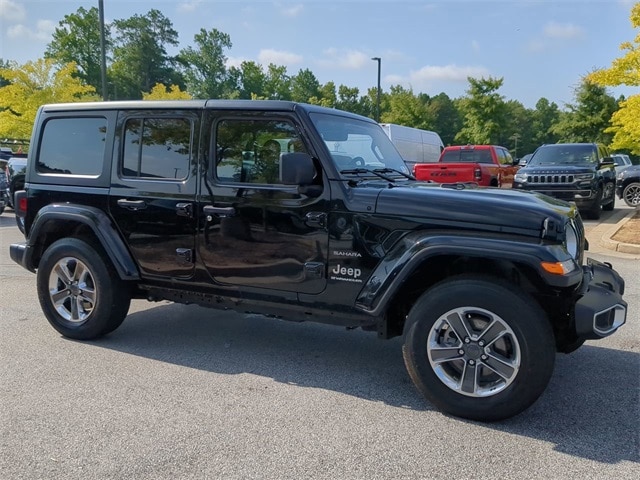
x=596 y=207
x=520 y=346
x=79 y=291
x=631 y=194
x=612 y=204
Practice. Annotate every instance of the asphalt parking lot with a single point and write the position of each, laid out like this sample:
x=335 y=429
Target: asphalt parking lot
x=182 y=392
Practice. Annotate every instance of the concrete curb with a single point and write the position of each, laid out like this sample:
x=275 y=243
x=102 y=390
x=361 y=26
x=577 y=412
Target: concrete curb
x=616 y=246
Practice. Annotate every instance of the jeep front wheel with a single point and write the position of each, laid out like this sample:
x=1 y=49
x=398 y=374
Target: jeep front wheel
x=80 y=293
x=478 y=348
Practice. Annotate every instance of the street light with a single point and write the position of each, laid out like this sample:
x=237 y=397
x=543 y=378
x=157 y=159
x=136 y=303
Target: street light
x=103 y=54
x=379 y=60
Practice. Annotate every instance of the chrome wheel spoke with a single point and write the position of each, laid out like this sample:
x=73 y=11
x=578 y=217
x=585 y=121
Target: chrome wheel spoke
x=443 y=354
x=60 y=296
x=457 y=323
x=493 y=333
x=500 y=366
x=63 y=273
x=469 y=380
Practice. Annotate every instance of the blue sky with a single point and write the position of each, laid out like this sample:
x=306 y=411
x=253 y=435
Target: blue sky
x=540 y=48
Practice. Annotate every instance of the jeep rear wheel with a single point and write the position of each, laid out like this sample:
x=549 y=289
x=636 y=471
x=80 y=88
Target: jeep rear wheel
x=80 y=293
x=478 y=349
x=631 y=194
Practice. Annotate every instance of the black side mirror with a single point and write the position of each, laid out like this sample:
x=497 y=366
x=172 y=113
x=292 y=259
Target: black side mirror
x=296 y=168
x=607 y=161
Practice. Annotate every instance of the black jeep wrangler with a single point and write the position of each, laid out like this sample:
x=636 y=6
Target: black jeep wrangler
x=583 y=173
x=307 y=213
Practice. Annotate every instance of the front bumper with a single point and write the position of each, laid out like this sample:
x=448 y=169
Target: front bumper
x=601 y=309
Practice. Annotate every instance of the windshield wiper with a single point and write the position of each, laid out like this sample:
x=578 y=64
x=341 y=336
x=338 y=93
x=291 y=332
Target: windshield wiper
x=358 y=171
x=393 y=170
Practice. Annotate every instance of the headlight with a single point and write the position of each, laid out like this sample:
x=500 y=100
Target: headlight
x=571 y=242
x=584 y=176
x=520 y=177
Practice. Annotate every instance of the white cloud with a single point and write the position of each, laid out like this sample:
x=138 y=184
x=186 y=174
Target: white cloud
x=562 y=30
x=12 y=11
x=44 y=30
x=345 y=59
x=448 y=73
x=188 y=6
x=278 y=57
x=235 y=61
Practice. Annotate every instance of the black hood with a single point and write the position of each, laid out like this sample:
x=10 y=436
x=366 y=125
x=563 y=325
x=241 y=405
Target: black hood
x=492 y=207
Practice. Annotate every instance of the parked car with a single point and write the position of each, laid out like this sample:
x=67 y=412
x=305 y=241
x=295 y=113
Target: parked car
x=621 y=162
x=525 y=159
x=486 y=165
x=15 y=170
x=198 y=202
x=579 y=172
x=628 y=186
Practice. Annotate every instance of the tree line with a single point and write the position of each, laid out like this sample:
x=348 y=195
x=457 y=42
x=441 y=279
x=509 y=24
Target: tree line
x=139 y=67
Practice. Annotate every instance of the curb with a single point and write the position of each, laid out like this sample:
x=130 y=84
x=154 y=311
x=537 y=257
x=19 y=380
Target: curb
x=616 y=246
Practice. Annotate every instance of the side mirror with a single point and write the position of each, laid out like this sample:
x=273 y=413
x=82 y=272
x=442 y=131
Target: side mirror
x=296 y=168
x=607 y=161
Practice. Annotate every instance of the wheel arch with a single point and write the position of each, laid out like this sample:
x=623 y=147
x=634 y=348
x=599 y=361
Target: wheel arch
x=57 y=221
x=391 y=298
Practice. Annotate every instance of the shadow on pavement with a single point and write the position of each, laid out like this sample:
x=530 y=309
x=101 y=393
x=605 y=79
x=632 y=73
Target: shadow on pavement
x=590 y=409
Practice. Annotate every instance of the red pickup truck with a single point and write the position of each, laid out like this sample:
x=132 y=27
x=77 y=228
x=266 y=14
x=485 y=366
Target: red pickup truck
x=487 y=165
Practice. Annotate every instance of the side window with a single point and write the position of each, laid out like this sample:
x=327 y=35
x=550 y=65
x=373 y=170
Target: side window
x=156 y=148
x=504 y=157
x=72 y=146
x=248 y=151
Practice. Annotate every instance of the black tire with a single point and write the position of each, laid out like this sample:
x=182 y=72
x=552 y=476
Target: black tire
x=79 y=291
x=608 y=207
x=596 y=207
x=631 y=194
x=520 y=345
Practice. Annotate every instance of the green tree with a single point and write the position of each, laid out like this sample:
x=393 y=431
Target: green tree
x=326 y=96
x=249 y=80
x=277 y=85
x=304 y=86
x=625 y=123
x=545 y=115
x=405 y=108
x=34 y=84
x=205 y=68
x=587 y=119
x=483 y=110
x=516 y=132
x=446 y=118
x=140 y=58
x=77 y=39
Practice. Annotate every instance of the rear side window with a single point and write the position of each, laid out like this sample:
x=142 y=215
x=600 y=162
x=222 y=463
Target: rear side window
x=157 y=148
x=72 y=146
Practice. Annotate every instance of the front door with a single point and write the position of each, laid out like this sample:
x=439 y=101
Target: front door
x=255 y=231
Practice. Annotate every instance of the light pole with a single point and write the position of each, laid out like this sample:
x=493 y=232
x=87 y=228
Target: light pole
x=103 y=53
x=379 y=60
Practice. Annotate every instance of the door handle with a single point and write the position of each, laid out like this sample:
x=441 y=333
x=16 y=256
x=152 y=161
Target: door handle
x=220 y=211
x=184 y=209
x=132 y=204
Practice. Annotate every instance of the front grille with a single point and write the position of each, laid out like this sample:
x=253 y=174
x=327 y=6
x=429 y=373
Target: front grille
x=550 y=179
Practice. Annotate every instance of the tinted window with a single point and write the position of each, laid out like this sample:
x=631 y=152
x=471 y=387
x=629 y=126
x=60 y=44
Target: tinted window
x=248 y=151
x=466 y=156
x=72 y=146
x=157 y=148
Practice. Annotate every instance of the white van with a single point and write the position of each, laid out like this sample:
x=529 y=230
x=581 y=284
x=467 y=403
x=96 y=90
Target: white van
x=414 y=145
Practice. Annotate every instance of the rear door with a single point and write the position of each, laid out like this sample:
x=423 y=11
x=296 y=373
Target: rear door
x=153 y=189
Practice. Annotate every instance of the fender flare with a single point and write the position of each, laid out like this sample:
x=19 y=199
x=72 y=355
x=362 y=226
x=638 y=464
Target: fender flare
x=94 y=218
x=417 y=247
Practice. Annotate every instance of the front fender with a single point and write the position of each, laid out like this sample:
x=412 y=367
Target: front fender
x=51 y=215
x=417 y=247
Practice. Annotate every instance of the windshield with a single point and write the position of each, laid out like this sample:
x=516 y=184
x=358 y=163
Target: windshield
x=357 y=144
x=565 y=155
